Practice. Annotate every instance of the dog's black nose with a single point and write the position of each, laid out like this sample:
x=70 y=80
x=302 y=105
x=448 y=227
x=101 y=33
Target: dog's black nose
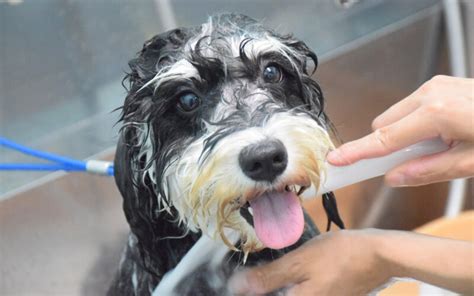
x=264 y=161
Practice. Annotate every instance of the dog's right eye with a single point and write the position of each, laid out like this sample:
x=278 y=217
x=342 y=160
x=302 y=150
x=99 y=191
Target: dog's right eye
x=188 y=102
x=272 y=74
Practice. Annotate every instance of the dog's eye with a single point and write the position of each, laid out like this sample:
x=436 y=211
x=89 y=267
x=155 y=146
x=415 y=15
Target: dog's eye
x=188 y=102
x=272 y=74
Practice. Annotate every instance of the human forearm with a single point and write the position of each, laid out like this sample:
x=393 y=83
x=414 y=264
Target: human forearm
x=442 y=262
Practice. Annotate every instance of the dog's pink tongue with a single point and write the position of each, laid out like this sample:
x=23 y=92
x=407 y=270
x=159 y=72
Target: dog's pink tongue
x=278 y=219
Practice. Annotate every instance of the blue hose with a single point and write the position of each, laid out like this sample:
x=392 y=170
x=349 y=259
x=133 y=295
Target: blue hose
x=60 y=163
x=37 y=153
x=34 y=167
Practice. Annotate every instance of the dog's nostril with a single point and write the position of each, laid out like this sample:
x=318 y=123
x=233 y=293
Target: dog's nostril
x=264 y=161
x=255 y=167
x=278 y=159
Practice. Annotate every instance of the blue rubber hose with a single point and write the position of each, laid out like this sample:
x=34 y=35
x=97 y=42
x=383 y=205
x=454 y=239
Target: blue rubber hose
x=34 y=167
x=59 y=163
x=40 y=154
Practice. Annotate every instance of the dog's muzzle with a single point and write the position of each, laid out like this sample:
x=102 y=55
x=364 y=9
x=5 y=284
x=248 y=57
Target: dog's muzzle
x=251 y=181
x=277 y=215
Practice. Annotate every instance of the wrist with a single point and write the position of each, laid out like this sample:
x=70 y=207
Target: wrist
x=384 y=246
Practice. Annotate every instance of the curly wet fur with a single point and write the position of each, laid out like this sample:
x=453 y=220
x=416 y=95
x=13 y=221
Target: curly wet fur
x=219 y=61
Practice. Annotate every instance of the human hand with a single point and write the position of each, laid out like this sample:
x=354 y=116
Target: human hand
x=355 y=262
x=442 y=107
x=335 y=263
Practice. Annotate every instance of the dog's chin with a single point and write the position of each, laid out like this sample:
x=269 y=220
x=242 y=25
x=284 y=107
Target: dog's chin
x=276 y=215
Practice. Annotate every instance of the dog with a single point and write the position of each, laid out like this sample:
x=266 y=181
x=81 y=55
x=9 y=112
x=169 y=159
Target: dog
x=223 y=127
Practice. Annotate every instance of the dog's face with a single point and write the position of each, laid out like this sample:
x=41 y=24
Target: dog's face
x=224 y=127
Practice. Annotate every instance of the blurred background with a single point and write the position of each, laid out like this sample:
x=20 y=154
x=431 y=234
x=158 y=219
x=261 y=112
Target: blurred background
x=61 y=67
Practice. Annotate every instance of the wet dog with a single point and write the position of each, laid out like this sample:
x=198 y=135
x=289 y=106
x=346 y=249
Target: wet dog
x=223 y=127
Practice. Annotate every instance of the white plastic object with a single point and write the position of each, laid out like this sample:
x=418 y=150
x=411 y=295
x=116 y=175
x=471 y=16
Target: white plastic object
x=98 y=166
x=338 y=177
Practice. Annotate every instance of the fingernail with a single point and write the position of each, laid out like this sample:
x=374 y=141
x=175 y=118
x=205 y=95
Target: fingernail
x=335 y=157
x=375 y=122
x=397 y=180
x=238 y=283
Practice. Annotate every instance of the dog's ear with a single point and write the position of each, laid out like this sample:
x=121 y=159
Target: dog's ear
x=155 y=54
x=130 y=161
x=134 y=154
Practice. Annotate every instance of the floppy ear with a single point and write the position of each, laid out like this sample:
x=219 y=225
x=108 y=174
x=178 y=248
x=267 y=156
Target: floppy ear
x=133 y=157
x=155 y=54
x=140 y=202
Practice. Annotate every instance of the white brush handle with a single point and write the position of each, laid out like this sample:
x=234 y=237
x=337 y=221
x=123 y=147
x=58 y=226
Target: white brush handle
x=338 y=177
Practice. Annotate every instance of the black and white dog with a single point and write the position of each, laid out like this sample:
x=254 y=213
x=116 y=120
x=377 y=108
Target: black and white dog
x=223 y=127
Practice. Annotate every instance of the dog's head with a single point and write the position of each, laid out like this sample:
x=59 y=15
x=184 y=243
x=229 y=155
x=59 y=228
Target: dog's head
x=221 y=123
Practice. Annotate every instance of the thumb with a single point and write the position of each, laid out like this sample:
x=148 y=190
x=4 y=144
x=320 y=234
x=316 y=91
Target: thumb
x=457 y=162
x=267 y=278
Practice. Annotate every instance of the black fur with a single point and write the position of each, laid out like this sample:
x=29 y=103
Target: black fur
x=330 y=207
x=157 y=242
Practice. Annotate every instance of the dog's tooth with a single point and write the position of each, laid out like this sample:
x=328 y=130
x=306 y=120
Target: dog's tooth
x=250 y=211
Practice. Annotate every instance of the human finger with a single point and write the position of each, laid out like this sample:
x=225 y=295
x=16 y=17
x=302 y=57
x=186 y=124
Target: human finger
x=409 y=130
x=457 y=162
x=269 y=277
x=397 y=111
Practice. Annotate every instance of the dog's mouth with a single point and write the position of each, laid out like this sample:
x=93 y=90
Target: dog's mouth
x=277 y=216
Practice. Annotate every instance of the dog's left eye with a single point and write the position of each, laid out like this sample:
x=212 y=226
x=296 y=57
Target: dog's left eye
x=272 y=74
x=189 y=102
